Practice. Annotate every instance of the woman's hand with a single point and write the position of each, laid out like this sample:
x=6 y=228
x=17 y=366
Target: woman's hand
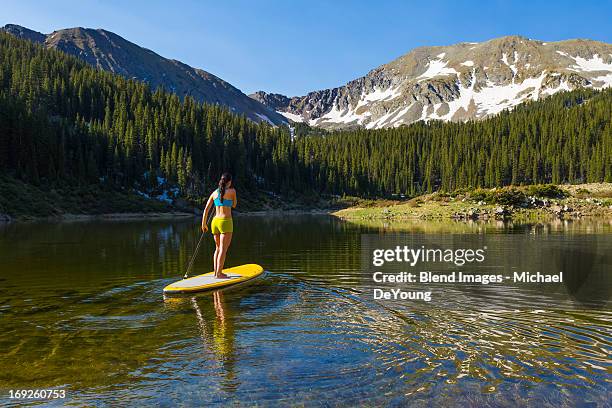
x=209 y=204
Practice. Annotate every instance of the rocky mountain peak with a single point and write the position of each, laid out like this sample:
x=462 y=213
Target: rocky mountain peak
x=453 y=83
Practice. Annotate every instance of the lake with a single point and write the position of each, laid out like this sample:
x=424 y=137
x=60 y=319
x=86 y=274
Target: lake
x=81 y=309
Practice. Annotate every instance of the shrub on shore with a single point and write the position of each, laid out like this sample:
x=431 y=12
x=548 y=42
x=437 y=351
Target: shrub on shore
x=546 y=191
x=503 y=196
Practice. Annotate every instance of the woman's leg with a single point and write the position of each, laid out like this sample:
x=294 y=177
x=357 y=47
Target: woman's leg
x=226 y=240
x=216 y=255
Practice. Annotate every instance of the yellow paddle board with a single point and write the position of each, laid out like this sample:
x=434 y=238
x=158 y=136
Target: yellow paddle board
x=208 y=281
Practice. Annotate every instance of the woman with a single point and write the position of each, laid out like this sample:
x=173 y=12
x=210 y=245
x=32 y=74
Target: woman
x=222 y=226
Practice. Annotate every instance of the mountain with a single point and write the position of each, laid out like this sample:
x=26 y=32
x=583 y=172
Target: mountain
x=452 y=83
x=108 y=51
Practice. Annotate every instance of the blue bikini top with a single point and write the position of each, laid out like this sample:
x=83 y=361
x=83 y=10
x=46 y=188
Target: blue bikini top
x=226 y=201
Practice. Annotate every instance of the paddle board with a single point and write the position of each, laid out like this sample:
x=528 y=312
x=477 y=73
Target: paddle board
x=208 y=281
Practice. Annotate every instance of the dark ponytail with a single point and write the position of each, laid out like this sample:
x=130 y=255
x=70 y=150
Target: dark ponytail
x=225 y=178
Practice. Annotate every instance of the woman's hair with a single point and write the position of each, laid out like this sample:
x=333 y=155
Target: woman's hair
x=225 y=179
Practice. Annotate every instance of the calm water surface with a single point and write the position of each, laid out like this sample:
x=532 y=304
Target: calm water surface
x=81 y=308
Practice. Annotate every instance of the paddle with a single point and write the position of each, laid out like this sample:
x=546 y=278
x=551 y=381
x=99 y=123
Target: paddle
x=197 y=248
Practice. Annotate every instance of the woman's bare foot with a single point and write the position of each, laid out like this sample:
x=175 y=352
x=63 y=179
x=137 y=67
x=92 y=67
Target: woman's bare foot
x=221 y=276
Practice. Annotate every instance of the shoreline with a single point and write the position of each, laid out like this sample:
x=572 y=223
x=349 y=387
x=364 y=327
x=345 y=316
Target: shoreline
x=349 y=214
x=5 y=219
x=512 y=203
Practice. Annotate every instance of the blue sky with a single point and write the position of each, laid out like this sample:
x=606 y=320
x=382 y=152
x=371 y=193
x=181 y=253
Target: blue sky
x=293 y=47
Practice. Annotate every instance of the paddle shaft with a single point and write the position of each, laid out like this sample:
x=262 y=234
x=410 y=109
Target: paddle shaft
x=195 y=253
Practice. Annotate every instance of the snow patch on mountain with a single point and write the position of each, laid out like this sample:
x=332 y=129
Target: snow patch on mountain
x=466 y=97
x=606 y=79
x=398 y=118
x=593 y=64
x=388 y=118
x=335 y=115
x=380 y=95
x=496 y=98
x=436 y=68
x=563 y=86
x=512 y=67
x=292 y=116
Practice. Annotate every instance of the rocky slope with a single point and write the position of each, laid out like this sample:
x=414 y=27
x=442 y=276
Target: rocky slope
x=106 y=50
x=452 y=83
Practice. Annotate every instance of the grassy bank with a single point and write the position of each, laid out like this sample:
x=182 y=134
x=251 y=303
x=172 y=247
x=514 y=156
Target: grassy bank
x=521 y=203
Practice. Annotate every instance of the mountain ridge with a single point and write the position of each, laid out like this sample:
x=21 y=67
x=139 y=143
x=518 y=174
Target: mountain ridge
x=454 y=83
x=106 y=50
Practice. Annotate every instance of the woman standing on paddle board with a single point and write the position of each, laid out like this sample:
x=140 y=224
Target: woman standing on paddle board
x=222 y=226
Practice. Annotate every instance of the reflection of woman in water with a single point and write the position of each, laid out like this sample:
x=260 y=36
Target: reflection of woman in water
x=222 y=345
x=222 y=226
x=221 y=338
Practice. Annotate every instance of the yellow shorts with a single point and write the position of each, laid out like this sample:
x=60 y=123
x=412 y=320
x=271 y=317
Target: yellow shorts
x=221 y=225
